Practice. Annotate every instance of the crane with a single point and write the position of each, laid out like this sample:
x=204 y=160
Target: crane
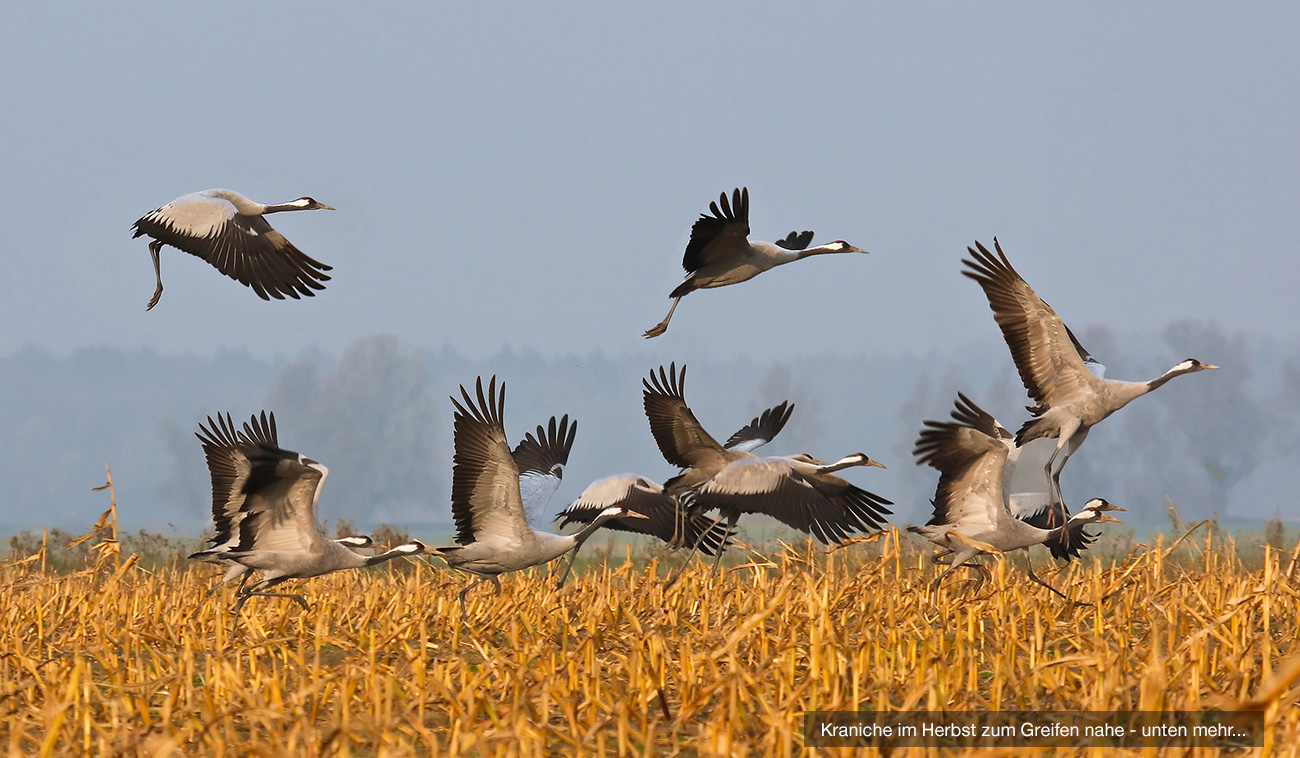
x=971 y=504
x=666 y=519
x=242 y=573
x=492 y=532
x=264 y=509
x=230 y=231
x=720 y=252
x=1069 y=397
x=800 y=491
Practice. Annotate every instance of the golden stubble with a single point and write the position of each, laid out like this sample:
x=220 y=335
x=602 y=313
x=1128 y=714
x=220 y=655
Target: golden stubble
x=109 y=661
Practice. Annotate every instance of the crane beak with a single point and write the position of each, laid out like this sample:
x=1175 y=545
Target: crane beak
x=853 y=249
x=1208 y=365
x=1107 y=517
x=877 y=464
x=324 y=207
x=634 y=514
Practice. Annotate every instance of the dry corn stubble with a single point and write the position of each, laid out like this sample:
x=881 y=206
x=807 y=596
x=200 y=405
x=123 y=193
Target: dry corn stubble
x=108 y=661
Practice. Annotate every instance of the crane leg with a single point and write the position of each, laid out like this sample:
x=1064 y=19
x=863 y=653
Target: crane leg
x=662 y=326
x=573 y=556
x=958 y=559
x=258 y=589
x=243 y=579
x=154 y=248
x=1029 y=566
x=474 y=584
x=694 y=548
x=731 y=524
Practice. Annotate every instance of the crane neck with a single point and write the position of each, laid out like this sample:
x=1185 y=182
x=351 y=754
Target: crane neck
x=410 y=548
x=582 y=534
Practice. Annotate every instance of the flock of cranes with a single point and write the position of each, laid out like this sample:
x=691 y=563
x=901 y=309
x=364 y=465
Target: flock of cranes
x=264 y=497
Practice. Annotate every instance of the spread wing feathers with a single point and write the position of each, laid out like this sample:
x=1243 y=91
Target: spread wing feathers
x=229 y=469
x=761 y=430
x=825 y=506
x=485 y=499
x=263 y=496
x=244 y=248
x=796 y=240
x=541 y=460
x=967 y=413
x=1072 y=541
x=1094 y=366
x=1045 y=353
x=722 y=236
x=548 y=449
x=664 y=516
x=970 y=464
x=680 y=437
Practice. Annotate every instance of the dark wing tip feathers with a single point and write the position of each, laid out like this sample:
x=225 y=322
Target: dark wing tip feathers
x=487 y=410
x=796 y=240
x=667 y=383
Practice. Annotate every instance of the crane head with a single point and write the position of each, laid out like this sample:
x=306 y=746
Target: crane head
x=1094 y=511
x=310 y=204
x=840 y=246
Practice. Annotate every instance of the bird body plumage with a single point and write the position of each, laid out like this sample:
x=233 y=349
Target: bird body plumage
x=230 y=232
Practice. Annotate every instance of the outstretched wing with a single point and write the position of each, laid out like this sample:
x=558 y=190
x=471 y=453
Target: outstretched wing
x=485 y=499
x=1045 y=353
x=665 y=518
x=762 y=429
x=722 y=236
x=682 y=440
x=796 y=240
x=541 y=460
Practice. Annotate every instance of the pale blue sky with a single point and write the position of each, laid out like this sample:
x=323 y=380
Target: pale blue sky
x=526 y=174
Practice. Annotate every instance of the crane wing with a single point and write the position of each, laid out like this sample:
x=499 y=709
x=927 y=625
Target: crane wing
x=680 y=436
x=762 y=429
x=722 y=236
x=664 y=517
x=1045 y=353
x=541 y=460
x=796 y=240
x=771 y=486
x=971 y=464
x=485 y=498
x=263 y=495
x=244 y=248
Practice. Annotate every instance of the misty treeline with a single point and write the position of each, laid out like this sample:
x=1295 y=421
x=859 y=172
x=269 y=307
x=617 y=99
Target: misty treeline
x=378 y=416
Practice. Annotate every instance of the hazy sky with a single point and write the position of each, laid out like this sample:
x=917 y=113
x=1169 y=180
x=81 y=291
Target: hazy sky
x=527 y=174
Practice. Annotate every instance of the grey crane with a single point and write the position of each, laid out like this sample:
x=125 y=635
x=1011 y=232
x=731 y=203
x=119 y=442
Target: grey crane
x=264 y=509
x=230 y=231
x=243 y=573
x=720 y=252
x=492 y=532
x=667 y=519
x=1032 y=500
x=799 y=491
x=971 y=504
x=1069 y=397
